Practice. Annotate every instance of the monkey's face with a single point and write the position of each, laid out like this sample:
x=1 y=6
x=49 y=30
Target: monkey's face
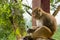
x=37 y=13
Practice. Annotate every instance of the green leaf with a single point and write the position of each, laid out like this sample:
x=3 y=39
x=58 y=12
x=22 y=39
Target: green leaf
x=51 y=1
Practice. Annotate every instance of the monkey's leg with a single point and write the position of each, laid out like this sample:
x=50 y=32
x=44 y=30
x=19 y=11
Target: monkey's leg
x=43 y=32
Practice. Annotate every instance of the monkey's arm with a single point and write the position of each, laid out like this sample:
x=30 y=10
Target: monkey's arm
x=56 y=11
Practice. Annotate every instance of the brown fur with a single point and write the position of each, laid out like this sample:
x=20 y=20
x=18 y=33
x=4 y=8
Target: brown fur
x=48 y=21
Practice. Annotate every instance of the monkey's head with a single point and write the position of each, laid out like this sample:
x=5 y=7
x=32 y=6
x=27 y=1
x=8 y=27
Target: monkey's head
x=36 y=13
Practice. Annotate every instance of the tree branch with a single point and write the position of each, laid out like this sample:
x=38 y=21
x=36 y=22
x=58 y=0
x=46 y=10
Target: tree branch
x=27 y=6
x=56 y=11
x=28 y=12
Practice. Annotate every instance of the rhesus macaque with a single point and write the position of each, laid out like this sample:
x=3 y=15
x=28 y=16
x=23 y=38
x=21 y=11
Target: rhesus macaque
x=46 y=23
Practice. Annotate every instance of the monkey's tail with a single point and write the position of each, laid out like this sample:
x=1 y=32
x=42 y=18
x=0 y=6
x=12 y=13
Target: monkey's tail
x=56 y=11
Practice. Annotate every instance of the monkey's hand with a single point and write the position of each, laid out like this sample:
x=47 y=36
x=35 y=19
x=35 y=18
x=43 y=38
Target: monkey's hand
x=30 y=30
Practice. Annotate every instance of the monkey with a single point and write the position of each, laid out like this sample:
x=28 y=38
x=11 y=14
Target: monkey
x=44 y=20
x=54 y=14
x=46 y=23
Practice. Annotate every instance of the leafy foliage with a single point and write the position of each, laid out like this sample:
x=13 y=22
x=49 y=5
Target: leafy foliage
x=7 y=10
x=54 y=3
